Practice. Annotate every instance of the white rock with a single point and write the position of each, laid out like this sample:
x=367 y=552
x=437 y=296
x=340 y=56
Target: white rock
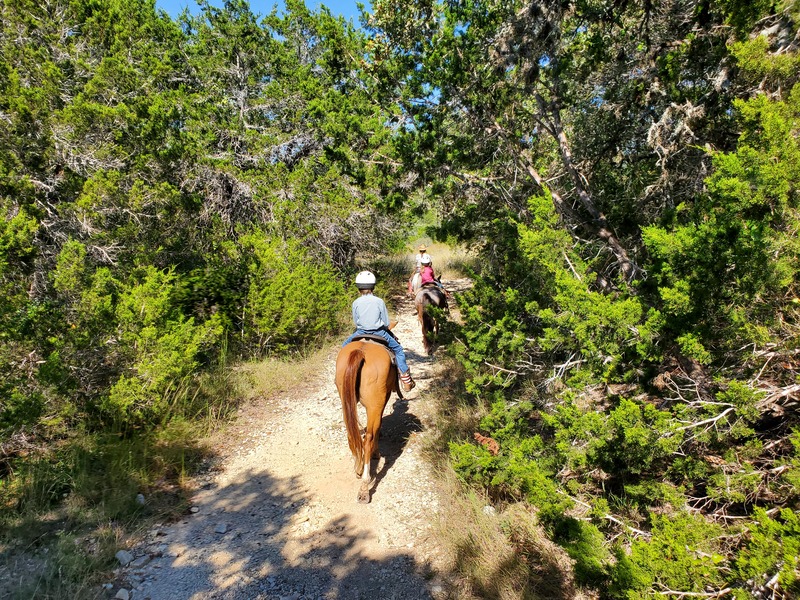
x=123 y=594
x=194 y=509
x=489 y=510
x=221 y=528
x=140 y=499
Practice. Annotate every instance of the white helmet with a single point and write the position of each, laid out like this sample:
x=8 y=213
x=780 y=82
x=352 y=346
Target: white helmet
x=425 y=260
x=365 y=280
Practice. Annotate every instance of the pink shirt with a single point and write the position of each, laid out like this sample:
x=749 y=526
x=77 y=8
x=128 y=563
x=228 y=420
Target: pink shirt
x=426 y=274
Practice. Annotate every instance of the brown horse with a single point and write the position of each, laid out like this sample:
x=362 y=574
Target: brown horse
x=365 y=373
x=429 y=295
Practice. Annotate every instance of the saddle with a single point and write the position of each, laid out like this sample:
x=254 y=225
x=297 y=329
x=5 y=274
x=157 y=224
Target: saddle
x=376 y=339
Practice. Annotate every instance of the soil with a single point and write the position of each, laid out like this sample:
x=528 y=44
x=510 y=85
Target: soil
x=279 y=518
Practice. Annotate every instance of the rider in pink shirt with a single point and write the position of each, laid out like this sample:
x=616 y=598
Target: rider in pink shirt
x=426 y=274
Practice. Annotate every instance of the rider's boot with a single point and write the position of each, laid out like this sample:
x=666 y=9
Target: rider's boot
x=408 y=383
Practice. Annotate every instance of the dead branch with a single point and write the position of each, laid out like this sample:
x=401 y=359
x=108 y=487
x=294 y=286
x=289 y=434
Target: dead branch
x=710 y=421
x=499 y=368
x=608 y=517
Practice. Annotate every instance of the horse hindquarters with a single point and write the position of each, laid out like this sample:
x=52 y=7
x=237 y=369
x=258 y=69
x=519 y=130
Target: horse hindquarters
x=430 y=326
x=364 y=374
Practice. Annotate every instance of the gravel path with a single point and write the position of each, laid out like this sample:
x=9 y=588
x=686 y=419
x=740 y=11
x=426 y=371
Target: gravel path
x=280 y=520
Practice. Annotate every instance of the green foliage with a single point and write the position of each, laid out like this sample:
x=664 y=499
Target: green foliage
x=692 y=348
x=17 y=233
x=292 y=301
x=518 y=470
x=753 y=56
x=584 y=543
x=744 y=15
x=734 y=244
x=680 y=555
x=637 y=440
x=772 y=548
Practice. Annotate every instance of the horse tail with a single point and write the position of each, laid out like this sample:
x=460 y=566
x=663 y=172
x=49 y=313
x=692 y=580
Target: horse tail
x=350 y=400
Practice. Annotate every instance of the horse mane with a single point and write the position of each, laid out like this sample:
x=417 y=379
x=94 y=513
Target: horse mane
x=350 y=400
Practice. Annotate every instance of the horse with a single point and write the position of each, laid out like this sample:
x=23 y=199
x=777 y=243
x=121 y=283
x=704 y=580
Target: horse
x=365 y=373
x=429 y=295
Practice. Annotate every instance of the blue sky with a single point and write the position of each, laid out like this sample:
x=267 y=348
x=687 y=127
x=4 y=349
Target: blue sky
x=346 y=8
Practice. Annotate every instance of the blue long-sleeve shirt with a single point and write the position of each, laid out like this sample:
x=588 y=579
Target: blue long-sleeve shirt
x=369 y=313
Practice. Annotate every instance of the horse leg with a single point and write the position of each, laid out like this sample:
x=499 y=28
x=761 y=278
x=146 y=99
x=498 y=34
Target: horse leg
x=366 y=476
x=374 y=415
x=427 y=330
x=360 y=466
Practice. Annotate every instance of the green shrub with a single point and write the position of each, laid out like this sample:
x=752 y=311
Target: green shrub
x=585 y=544
x=637 y=439
x=161 y=347
x=772 y=548
x=292 y=300
x=682 y=555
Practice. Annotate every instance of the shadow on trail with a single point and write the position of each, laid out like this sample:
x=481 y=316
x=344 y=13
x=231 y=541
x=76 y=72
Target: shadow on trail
x=397 y=427
x=253 y=558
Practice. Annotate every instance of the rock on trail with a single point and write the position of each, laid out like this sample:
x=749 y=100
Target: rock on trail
x=280 y=519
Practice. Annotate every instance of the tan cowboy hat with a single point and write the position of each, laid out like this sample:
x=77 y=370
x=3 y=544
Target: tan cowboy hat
x=423 y=248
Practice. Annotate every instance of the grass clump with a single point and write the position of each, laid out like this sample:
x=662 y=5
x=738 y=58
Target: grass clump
x=277 y=374
x=503 y=554
x=66 y=508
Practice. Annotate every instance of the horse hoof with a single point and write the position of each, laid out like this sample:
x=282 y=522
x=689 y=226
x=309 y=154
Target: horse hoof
x=363 y=497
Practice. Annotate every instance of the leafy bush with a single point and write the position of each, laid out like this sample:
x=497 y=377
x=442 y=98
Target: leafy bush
x=734 y=243
x=681 y=555
x=292 y=300
x=154 y=347
x=772 y=549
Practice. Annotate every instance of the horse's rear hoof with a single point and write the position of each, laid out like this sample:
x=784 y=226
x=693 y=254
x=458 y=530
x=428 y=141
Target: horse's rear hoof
x=363 y=497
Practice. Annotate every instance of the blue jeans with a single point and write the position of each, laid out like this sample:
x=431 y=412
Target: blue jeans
x=394 y=345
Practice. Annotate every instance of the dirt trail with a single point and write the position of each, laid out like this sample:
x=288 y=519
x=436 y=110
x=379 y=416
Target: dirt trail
x=280 y=520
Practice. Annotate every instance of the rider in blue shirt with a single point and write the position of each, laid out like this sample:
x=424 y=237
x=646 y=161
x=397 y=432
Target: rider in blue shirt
x=371 y=317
